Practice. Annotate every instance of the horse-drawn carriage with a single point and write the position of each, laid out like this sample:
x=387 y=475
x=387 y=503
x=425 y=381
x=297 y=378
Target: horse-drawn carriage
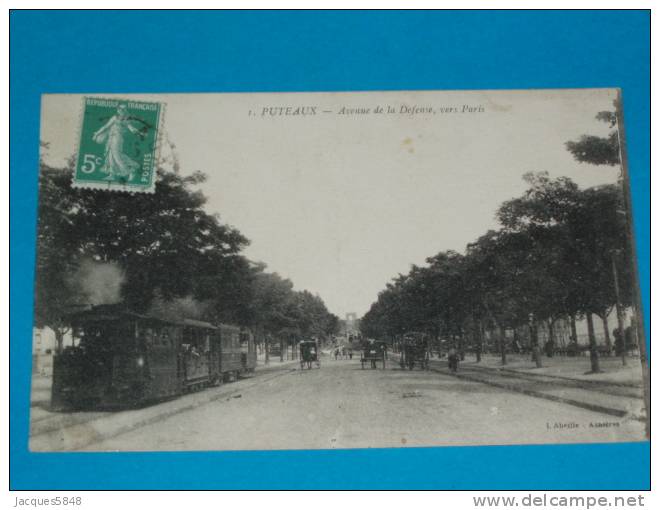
x=415 y=351
x=373 y=352
x=309 y=354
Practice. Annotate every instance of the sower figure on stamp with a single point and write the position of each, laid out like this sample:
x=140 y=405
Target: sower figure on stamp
x=112 y=134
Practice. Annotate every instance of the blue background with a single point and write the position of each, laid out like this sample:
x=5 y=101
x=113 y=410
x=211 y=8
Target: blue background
x=169 y=51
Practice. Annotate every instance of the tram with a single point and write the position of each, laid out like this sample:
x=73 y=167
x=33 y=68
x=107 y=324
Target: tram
x=125 y=359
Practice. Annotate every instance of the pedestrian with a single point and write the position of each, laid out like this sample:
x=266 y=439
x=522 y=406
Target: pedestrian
x=336 y=353
x=618 y=341
x=517 y=348
x=549 y=348
x=452 y=356
x=350 y=354
x=628 y=337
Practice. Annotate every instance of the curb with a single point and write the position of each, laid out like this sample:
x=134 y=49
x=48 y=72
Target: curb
x=537 y=394
x=577 y=403
x=562 y=377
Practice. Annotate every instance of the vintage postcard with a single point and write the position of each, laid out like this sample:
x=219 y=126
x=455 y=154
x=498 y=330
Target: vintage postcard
x=335 y=270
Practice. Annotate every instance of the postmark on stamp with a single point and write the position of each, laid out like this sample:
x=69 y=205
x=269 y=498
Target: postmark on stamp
x=118 y=145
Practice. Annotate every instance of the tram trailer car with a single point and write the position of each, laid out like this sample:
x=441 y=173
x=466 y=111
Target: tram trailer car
x=248 y=352
x=126 y=359
x=228 y=346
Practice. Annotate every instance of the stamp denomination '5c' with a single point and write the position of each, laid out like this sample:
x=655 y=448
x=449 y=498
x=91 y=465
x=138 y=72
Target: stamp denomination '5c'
x=118 y=142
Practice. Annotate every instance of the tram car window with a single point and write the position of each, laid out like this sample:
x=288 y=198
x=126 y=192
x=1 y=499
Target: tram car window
x=230 y=365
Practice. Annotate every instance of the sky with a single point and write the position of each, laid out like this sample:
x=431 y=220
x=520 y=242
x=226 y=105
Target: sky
x=343 y=198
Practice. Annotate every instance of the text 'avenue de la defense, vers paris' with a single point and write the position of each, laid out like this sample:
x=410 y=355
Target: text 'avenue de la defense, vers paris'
x=380 y=109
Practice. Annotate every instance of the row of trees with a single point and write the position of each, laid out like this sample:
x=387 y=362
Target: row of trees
x=561 y=252
x=552 y=259
x=173 y=258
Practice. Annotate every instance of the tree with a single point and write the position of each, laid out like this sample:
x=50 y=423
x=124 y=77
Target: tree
x=598 y=150
x=550 y=259
x=446 y=296
x=165 y=243
x=277 y=310
x=56 y=293
x=608 y=151
x=172 y=258
x=585 y=228
x=511 y=283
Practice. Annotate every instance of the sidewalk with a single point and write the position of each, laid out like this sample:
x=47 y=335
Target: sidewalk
x=616 y=392
x=574 y=368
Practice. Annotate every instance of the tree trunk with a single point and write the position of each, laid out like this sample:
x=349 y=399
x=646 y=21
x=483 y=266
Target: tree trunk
x=502 y=344
x=593 y=351
x=461 y=346
x=59 y=338
x=534 y=339
x=573 y=330
x=551 y=335
x=479 y=338
x=606 y=329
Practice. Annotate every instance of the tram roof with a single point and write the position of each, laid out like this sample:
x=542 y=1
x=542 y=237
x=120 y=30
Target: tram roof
x=116 y=312
x=199 y=324
x=109 y=313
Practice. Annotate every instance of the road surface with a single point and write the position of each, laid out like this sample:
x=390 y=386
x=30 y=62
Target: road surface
x=342 y=406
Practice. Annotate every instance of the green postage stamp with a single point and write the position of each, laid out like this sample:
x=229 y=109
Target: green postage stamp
x=118 y=145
